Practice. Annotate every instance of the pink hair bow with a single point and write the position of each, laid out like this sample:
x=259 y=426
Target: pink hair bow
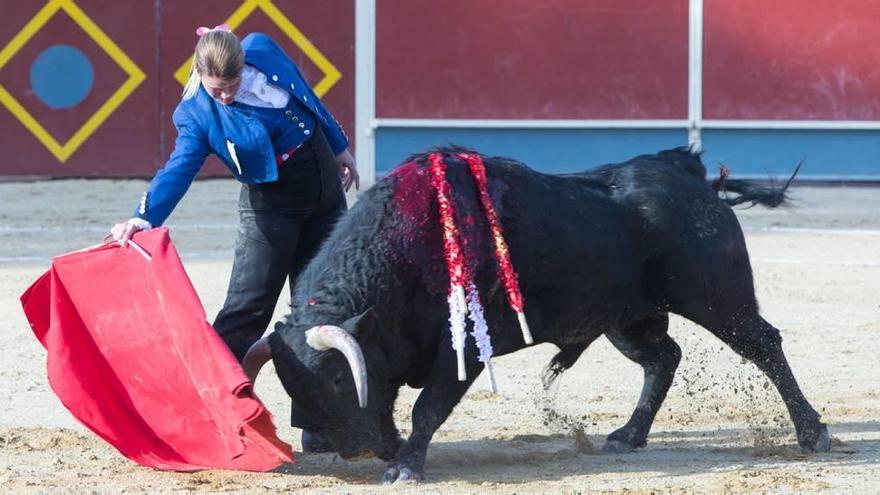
x=201 y=31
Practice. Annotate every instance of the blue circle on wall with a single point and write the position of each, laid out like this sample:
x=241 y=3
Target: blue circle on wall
x=62 y=76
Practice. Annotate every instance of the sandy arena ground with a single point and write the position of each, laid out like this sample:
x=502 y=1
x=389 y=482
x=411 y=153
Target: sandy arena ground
x=817 y=268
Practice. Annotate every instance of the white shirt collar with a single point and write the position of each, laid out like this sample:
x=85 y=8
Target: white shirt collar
x=256 y=90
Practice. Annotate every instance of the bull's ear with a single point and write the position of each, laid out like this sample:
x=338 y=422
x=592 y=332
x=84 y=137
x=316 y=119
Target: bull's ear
x=362 y=324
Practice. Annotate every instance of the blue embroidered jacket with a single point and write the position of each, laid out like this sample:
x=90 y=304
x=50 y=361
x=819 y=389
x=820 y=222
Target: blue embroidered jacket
x=240 y=140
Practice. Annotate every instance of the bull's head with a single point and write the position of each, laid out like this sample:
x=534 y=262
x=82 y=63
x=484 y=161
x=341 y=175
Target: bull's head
x=335 y=379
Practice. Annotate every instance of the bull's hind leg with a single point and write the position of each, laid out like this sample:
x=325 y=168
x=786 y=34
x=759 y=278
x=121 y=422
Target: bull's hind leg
x=646 y=343
x=755 y=339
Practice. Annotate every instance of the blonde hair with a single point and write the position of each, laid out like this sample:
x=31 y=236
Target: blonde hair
x=217 y=54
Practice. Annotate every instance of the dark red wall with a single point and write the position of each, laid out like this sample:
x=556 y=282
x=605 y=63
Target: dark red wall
x=158 y=36
x=527 y=59
x=791 y=59
x=480 y=59
x=127 y=141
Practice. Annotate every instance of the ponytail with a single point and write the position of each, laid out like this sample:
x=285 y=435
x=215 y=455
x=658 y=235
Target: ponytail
x=192 y=83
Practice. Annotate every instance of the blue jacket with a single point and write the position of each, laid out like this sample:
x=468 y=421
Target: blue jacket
x=205 y=126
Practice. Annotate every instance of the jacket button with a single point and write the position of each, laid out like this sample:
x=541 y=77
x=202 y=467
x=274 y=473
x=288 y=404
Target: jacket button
x=292 y=86
x=307 y=132
x=275 y=77
x=295 y=118
x=302 y=125
x=288 y=113
x=305 y=98
x=285 y=156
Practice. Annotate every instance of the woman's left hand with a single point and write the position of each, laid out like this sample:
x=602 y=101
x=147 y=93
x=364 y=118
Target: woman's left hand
x=348 y=170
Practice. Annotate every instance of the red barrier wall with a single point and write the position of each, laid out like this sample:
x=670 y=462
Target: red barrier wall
x=791 y=60
x=126 y=142
x=157 y=37
x=526 y=59
x=480 y=59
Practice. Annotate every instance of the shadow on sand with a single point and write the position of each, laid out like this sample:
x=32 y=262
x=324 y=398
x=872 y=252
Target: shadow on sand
x=526 y=458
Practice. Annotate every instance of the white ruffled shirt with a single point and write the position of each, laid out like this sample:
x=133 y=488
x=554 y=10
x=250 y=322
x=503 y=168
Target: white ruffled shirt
x=255 y=90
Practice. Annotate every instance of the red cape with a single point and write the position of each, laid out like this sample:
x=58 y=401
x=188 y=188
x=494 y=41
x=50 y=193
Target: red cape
x=131 y=355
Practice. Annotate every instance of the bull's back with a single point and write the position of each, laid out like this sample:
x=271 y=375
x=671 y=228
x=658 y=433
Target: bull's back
x=577 y=252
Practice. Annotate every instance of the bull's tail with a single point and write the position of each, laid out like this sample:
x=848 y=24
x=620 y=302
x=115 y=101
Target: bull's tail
x=752 y=192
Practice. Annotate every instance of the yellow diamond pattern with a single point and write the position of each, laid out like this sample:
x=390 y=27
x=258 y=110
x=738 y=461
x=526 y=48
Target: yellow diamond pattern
x=135 y=77
x=331 y=73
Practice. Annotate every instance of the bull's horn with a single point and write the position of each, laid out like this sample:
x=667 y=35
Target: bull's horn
x=256 y=357
x=325 y=337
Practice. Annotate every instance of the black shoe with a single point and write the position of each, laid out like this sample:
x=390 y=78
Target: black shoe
x=315 y=442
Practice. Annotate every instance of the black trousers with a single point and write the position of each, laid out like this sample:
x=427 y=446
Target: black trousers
x=281 y=226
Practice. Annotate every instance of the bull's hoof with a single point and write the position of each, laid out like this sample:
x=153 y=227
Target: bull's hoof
x=315 y=442
x=398 y=475
x=622 y=442
x=816 y=441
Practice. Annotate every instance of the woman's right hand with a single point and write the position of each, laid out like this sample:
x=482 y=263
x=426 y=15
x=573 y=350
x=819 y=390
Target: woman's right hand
x=122 y=232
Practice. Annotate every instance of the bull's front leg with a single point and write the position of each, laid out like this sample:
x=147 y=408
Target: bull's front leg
x=431 y=409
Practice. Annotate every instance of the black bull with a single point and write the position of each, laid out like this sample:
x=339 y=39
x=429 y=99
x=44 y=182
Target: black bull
x=610 y=251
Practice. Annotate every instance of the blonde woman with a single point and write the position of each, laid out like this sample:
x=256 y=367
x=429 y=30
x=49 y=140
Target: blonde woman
x=248 y=103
